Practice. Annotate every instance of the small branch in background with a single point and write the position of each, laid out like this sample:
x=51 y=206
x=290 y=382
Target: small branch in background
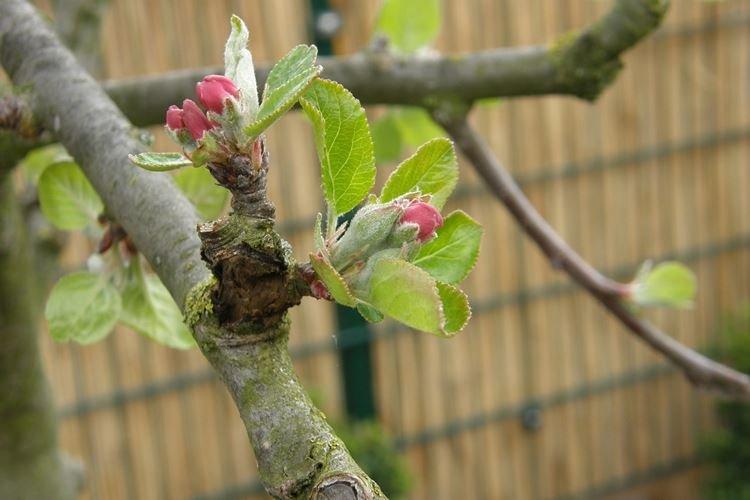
x=580 y=64
x=700 y=370
x=78 y=23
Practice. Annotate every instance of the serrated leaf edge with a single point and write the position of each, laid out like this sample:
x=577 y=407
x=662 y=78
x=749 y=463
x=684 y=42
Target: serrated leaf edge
x=260 y=125
x=479 y=248
x=441 y=313
x=312 y=47
x=468 y=307
x=135 y=159
x=452 y=185
x=372 y=145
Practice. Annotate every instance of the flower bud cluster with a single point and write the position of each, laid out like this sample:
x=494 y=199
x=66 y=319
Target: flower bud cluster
x=196 y=129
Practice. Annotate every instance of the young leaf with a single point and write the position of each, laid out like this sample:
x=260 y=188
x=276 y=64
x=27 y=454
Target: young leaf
x=368 y=312
x=160 y=162
x=343 y=141
x=669 y=284
x=82 y=307
x=238 y=65
x=408 y=294
x=336 y=285
x=287 y=81
x=201 y=189
x=456 y=309
x=148 y=308
x=454 y=251
x=409 y=24
x=67 y=198
x=37 y=161
x=433 y=169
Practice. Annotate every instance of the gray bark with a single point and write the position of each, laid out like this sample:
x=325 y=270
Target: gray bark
x=30 y=463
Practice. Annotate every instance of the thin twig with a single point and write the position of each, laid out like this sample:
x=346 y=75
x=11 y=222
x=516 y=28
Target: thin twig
x=700 y=370
x=581 y=63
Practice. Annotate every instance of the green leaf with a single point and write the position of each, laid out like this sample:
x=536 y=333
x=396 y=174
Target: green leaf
x=82 y=307
x=408 y=294
x=409 y=24
x=201 y=189
x=287 y=81
x=669 y=284
x=456 y=309
x=238 y=65
x=433 y=169
x=386 y=136
x=343 y=141
x=416 y=126
x=148 y=308
x=336 y=285
x=67 y=198
x=37 y=161
x=368 y=312
x=160 y=162
x=451 y=255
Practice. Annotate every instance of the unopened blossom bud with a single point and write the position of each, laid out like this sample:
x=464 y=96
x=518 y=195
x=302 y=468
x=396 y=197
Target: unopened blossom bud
x=213 y=90
x=367 y=233
x=194 y=119
x=174 y=118
x=425 y=216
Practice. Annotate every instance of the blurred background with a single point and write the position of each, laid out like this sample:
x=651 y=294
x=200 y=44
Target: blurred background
x=543 y=395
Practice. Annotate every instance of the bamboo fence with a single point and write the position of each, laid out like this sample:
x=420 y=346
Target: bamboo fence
x=544 y=395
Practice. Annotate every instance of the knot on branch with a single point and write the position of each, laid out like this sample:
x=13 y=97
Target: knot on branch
x=16 y=117
x=342 y=487
x=584 y=65
x=587 y=62
x=258 y=279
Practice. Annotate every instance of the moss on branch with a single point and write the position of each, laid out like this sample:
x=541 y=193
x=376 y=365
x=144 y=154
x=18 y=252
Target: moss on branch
x=588 y=61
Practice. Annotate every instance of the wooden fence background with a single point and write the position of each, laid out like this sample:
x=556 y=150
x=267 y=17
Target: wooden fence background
x=657 y=168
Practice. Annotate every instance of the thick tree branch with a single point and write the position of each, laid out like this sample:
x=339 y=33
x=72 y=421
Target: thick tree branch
x=31 y=465
x=701 y=371
x=580 y=64
x=298 y=454
x=70 y=104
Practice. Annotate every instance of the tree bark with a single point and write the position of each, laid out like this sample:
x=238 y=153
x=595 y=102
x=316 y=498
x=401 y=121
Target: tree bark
x=31 y=465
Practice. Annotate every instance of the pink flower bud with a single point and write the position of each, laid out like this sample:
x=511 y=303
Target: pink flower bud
x=213 y=90
x=195 y=120
x=174 y=118
x=425 y=216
